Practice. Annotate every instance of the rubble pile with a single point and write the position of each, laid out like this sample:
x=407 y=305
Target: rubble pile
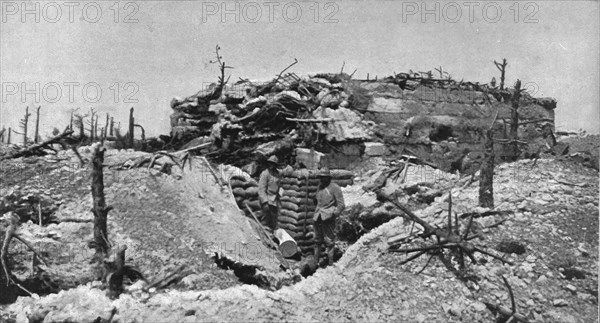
x=342 y=121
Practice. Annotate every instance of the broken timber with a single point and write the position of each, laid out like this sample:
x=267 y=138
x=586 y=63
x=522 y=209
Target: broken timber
x=33 y=148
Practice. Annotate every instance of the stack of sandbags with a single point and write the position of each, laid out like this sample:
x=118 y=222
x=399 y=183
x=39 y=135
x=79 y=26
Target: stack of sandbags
x=298 y=205
x=245 y=191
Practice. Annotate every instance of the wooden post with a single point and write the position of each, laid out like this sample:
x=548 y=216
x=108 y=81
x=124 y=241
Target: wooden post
x=486 y=174
x=37 y=124
x=502 y=69
x=514 y=121
x=131 y=128
x=100 y=210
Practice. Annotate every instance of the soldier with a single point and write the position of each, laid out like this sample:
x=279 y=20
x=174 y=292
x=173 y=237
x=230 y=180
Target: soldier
x=330 y=204
x=268 y=192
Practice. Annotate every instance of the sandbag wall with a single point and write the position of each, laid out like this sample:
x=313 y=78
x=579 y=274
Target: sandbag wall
x=297 y=202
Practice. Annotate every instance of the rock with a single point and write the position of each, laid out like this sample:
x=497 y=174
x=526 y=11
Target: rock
x=420 y=318
x=561 y=317
x=455 y=310
x=375 y=149
x=479 y=307
x=584 y=296
x=531 y=258
x=541 y=279
x=310 y=158
x=559 y=302
x=571 y=288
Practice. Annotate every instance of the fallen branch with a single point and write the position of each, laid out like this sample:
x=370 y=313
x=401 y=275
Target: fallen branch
x=75 y=220
x=164 y=281
x=8 y=235
x=509 y=315
x=31 y=150
x=484 y=214
x=30 y=247
x=309 y=120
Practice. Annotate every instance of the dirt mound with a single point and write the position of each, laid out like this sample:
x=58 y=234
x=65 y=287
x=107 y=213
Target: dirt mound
x=550 y=206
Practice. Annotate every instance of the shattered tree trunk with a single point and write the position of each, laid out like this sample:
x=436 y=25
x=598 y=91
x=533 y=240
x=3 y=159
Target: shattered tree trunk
x=100 y=209
x=2 y=134
x=81 y=129
x=105 y=129
x=514 y=123
x=131 y=128
x=8 y=137
x=24 y=125
x=96 y=128
x=71 y=121
x=112 y=125
x=502 y=69
x=92 y=130
x=37 y=124
x=143 y=131
x=486 y=174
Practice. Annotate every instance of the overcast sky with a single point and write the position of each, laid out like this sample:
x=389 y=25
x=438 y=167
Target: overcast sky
x=151 y=51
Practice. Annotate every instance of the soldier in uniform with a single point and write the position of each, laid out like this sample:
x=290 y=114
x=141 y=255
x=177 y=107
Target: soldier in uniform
x=268 y=192
x=330 y=204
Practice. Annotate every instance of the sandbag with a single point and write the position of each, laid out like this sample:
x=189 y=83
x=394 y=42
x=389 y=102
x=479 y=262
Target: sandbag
x=341 y=174
x=289 y=227
x=292 y=221
x=296 y=228
x=305 y=242
x=311 y=195
x=251 y=191
x=297 y=208
x=343 y=182
x=302 y=173
x=239 y=192
x=235 y=183
x=299 y=188
x=291 y=199
x=299 y=181
x=295 y=215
